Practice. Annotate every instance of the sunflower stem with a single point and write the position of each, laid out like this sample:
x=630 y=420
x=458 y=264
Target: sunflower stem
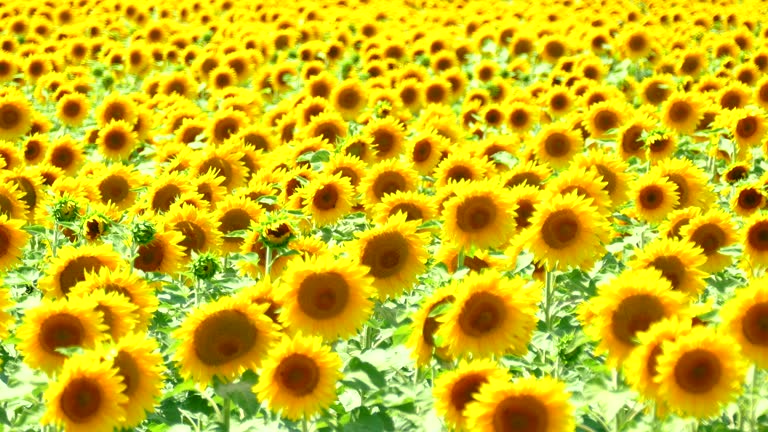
x=304 y=426
x=753 y=396
x=55 y=239
x=549 y=281
x=197 y=292
x=225 y=413
x=267 y=261
x=460 y=259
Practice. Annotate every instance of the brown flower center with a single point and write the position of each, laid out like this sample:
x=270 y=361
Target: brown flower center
x=80 y=400
x=755 y=324
x=224 y=336
x=323 y=295
x=482 y=313
x=560 y=229
x=476 y=214
x=521 y=413
x=698 y=371
x=635 y=314
x=709 y=237
x=60 y=331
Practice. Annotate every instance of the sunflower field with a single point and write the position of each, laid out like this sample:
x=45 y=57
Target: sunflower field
x=368 y=215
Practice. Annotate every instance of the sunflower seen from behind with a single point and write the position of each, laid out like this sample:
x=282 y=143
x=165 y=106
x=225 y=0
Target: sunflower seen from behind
x=491 y=315
x=223 y=339
x=536 y=404
x=299 y=377
x=327 y=296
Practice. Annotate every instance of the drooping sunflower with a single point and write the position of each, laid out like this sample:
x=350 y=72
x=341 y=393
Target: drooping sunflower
x=299 y=377
x=454 y=389
x=87 y=395
x=654 y=196
x=743 y=317
x=711 y=231
x=491 y=315
x=327 y=198
x=628 y=304
x=387 y=177
x=328 y=296
x=557 y=143
x=72 y=263
x=699 y=372
x=395 y=253
x=196 y=226
x=640 y=366
x=482 y=214
x=539 y=403
x=223 y=338
x=568 y=230
x=678 y=261
x=682 y=112
x=58 y=324
x=12 y=241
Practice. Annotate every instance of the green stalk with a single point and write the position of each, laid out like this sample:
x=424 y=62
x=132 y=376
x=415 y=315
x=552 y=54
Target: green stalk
x=549 y=282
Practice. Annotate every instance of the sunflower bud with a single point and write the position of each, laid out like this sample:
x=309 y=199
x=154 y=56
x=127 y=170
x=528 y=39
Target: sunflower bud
x=95 y=226
x=65 y=210
x=143 y=232
x=205 y=266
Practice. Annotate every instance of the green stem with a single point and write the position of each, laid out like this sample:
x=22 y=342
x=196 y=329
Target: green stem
x=549 y=282
x=460 y=259
x=226 y=411
x=754 y=394
x=197 y=292
x=55 y=240
x=267 y=261
x=617 y=386
x=304 y=426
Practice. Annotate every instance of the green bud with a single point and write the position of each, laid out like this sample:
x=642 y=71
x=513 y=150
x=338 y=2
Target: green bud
x=65 y=210
x=205 y=266
x=143 y=232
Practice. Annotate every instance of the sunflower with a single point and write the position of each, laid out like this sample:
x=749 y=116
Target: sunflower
x=460 y=165
x=630 y=140
x=164 y=254
x=699 y=372
x=636 y=43
x=197 y=228
x=539 y=404
x=425 y=149
x=87 y=395
x=15 y=116
x=754 y=238
x=235 y=213
x=711 y=231
x=567 y=230
x=395 y=253
x=481 y=215
x=58 y=324
x=34 y=148
x=520 y=117
x=681 y=112
x=329 y=126
x=327 y=198
x=387 y=137
x=329 y=296
x=747 y=126
x=117 y=184
x=116 y=106
x=530 y=173
x=587 y=184
x=140 y=365
x=119 y=315
x=640 y=367
x=223 y=338
x=165 y=191
x=72 y=109
x=604 y=117
x=387 y=177
x=733 y=96
x=225 y=124
x=657 y=89
x=624 y=306
x=676 y=220
x=225 y=160
x=424 y=325
x=66 y=154
x=613 y=170
x=454 y=389
x=691 y=181
x=71 y=264
x=125 y=283
x=348 y=98
x=299 y=377
x=12 y=241
x=678 y=261
x=416 y=206
x=491 y=315
x=654 y=196
x=747 y=200
x=117 y=140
